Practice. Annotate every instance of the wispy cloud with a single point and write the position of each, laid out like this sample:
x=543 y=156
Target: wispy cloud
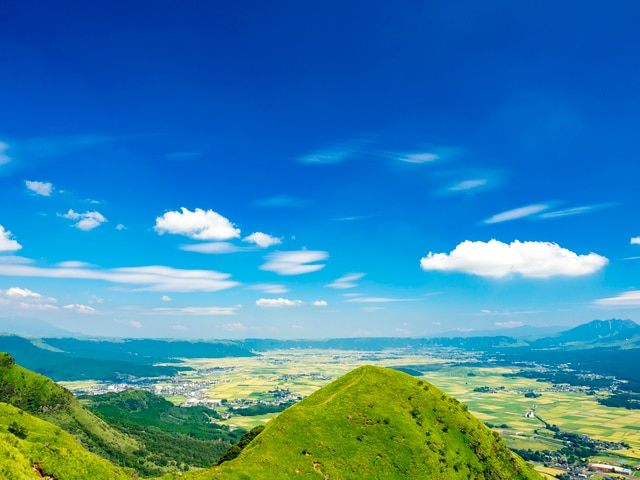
x=468 y=185
x=417 y=157
x=262 y=240
x=40 y=188
x=149 y=278
x=235 y=326
x=85 y=221
x=334 y=154
x=79 y=308
x=199 y=225
x=295 y=262
x=200 y=311
x=7 y=243
x=4 y=158
x=380 y=300
x=320 y=303
x=346 y=281
x=212 y=248
x=271 y=288
x=529 y=259
x=353 y=218
x=517 y=213
x=567 y=212
x=625 y=299
x=278 y=302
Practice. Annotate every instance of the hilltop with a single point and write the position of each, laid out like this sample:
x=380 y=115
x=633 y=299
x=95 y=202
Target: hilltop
x=374 y=423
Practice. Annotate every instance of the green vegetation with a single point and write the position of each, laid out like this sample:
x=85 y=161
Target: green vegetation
x=629 y=401
x=174 y=436
x=374 y=423
x=261 y=408
x=133 y=445
x=31 y=448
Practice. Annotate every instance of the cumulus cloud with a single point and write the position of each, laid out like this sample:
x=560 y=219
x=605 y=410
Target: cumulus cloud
x=262 y=239
x=76 y=307
x=278 y=302
x=149 y=278
x=634 y=240
x=8 y=244
x=625 y=299
x=295 y=262
x=165 y=298
x=346 y=281
x=40 y=188
x=197 y=310
x=199 y=225
x=529 y=259
x=85 y=221
x=25 y=298
x=517 y=213
x=320 y=303
x=272 y=288
x=211 y=247
x=4 y=158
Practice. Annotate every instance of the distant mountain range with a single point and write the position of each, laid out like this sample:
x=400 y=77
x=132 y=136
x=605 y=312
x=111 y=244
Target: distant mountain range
x=597 y=332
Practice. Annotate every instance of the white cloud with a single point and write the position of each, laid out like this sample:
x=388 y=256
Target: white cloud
x=272 y=288
x=278 y=302
x=423 y=157
x=76 y=307
x=567 y=212
x=86 y=221
x=466 y=185
x=211 y=247
x=346 y=281
x=262 y=239
x=379 y=300
x=295 y=262
x=165 y=298
x=517 y=213
x=41 y=188
x=149 y=278
x=320 y=303
x=199 y=225
x=234 y=326
x=634 y=240
x=180 y=328
x=133 y=323
x=120 y=227
x=4 y=158
x=625 y=299
x=529 y=259
x=25 y=298
x=7 y=244
x=510 y=324
x=197 y=310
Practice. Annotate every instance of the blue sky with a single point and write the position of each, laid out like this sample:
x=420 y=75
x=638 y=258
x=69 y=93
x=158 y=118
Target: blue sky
x=318 y=169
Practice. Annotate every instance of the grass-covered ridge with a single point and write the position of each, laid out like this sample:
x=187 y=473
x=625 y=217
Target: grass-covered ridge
x=375 y=423
x=31 y=448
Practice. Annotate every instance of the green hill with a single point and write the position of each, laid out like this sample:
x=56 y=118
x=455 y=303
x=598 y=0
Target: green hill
x=41 y=397
x=31 y=448
x=374 y=423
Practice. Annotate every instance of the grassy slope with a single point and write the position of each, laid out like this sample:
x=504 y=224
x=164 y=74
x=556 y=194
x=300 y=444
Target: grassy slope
x=41 y=397
x=50 y=450
x=375 y=423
